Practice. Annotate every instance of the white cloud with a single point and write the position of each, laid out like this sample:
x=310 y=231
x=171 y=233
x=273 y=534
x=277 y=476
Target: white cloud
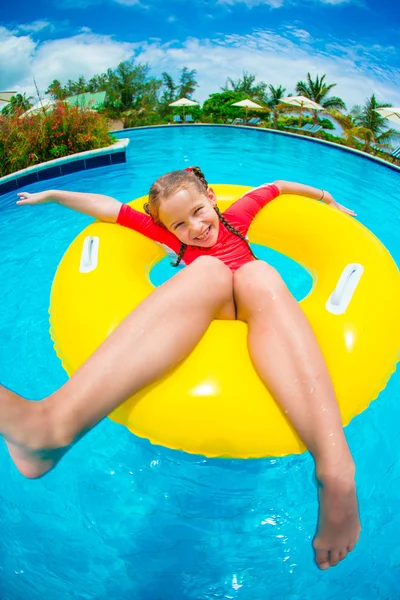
x=86 y=54
x=277 y=59
x=284 y=58
x=16 y=52
x=85 y=29
x=35 y=26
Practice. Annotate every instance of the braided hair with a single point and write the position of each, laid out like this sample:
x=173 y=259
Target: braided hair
x=167 y=184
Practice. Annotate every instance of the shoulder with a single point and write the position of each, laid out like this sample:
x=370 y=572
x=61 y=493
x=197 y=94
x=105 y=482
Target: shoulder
x=243 y=211
x=254 y=200
x=142 y=223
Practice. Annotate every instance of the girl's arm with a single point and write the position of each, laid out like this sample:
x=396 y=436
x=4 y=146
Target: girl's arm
x=290 y=187
x=98 y=206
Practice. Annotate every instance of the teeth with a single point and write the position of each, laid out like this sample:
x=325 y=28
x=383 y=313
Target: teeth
x=201 y=237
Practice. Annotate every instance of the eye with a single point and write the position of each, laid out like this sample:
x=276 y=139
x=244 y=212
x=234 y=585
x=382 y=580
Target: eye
x=178 y=225
x=198 y=209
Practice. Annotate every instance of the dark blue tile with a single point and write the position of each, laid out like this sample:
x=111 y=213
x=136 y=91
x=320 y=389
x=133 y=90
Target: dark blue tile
x=118 y=157
x=27 y=179
x=98 y=161
x=73 y=167
x=49 y=173
x=9 y=186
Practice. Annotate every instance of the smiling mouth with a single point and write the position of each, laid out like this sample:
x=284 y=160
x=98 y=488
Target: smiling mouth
x=203 y=236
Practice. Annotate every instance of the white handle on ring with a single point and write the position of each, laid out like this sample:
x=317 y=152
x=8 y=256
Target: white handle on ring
x=90 y=254
x=341 y=296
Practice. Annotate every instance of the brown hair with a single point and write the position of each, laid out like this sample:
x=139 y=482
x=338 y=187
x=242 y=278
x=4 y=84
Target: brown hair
x=167 y=184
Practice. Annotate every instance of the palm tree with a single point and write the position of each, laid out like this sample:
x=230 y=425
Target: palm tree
x=56 y=90
x=366 y=125
x=373 y=123
x=18 y=104
x=318 y=91
x=273 y=101
x=351 y=132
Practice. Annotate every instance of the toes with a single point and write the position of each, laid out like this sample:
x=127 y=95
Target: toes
x=322 y=559
x=342 y=554
x=334 y=557
x=350 y=547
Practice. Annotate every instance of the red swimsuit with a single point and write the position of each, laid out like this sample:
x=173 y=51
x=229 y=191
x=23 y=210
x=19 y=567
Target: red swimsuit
x=229 y=248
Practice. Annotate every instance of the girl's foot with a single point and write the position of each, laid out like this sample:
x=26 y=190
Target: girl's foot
x=25 y=428
x=339 y=522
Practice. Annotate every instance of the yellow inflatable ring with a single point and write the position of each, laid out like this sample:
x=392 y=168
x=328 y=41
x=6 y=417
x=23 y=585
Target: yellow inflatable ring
x=214 y=403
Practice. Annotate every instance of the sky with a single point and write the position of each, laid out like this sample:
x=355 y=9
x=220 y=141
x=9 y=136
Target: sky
x=354 y=42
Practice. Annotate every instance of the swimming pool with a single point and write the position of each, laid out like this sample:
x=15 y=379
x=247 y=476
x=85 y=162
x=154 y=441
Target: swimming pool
x=122 y=519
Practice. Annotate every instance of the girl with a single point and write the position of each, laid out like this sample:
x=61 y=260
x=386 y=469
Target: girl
x=222 y=281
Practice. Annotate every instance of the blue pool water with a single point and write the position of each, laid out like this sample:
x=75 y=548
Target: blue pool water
x=121 y=519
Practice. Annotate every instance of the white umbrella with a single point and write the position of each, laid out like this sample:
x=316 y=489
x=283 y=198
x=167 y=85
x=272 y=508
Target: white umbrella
x=390 y=113
x=41 y=105
x=303 y=103
x=248 y=104
x=184 y=102
x=6 y=96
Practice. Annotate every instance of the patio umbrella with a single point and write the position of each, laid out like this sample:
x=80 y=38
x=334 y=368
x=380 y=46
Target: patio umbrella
x=248 y=104
x=303 y=103
x=390 y=113
x=6 y=96
x=184 y=102
x=43 y=105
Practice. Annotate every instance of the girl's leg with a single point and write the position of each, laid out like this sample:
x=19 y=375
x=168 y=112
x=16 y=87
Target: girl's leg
x=154 y=338
x=287 y=358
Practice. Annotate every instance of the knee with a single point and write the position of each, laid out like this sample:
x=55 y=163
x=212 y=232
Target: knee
x=214 y=274
x=257 y=280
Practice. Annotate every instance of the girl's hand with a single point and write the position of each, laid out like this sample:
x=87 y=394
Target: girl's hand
x=38 y=198
x=328 y=199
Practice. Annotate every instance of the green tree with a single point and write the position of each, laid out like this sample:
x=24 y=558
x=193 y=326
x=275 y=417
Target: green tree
x=73 y=88
x=187 y=83
x=18 y=104
x=56 y=90
x=246 y=86
x=273 y=101
x=168 y=89
x=219 y=106
x=98 y=83
x=374 y=126
x=351 y=132
x=318 y=91
x=130 y=87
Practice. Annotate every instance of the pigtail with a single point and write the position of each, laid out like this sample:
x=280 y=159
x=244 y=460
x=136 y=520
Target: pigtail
x=181 y=252
x=233 y=230
x=200 y=176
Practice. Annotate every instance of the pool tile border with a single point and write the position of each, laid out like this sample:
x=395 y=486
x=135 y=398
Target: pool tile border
x=91 y=159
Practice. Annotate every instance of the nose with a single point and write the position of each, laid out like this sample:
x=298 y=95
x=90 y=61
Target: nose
x=195 y=227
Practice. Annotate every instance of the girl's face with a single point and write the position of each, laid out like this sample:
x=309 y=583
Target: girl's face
x=190 y=216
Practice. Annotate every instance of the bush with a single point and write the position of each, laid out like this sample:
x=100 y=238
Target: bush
x=38 y=138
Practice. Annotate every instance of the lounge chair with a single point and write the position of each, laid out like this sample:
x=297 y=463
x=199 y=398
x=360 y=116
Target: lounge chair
x=177 y=119
x=314 y=129
x=305 y=127
x=189 y=119
x=254 y=121
x=237 y=122
x=388 y=153
x=396 y=152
